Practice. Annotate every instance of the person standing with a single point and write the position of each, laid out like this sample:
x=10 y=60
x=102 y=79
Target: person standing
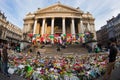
x=112 y=58
x=97 y=50
x=58 y=48
x=5 y=60
x=1 y=46
x=0 y=61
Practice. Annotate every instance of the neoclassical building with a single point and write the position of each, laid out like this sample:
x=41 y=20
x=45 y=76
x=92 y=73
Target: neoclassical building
x=59 y=19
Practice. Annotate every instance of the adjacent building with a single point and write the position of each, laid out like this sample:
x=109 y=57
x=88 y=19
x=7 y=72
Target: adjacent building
x=58 y=19
x=8 y=31
x=110 y=30
x=102 y=36
x=117 y=29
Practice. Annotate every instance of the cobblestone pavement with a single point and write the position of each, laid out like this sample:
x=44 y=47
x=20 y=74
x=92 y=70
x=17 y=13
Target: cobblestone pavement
x=12 y=77
x=115 y=74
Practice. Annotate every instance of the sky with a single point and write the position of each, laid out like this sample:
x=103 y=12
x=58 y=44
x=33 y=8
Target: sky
x=102 y=10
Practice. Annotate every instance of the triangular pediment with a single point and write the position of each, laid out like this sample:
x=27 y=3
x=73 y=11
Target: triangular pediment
x=59 y=8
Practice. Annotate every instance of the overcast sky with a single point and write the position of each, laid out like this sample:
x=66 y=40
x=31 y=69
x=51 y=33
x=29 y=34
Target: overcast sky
x=102 y=10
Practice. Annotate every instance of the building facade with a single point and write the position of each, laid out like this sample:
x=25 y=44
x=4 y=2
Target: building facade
x=8 y=31
x=59 y=19
x=117 y=29
x=102 y=36
x=110 y=30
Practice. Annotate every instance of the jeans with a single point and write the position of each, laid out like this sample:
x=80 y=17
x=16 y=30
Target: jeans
x=5 y=68
x=0 y=65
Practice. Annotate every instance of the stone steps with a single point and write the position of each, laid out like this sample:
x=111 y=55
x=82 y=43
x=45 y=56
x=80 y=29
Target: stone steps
x=69 y=49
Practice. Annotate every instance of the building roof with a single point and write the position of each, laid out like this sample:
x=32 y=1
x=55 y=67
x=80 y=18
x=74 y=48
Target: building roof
x=59 y=8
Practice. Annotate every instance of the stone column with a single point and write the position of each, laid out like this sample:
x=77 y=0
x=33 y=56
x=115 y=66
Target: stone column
x=95 y=37
x=29 y=27
x=81 y=26
x=43 y=27
x=93 y=28
x=52 y=26
x=73 y=27
x=35 y=25
x=63 y=26
x=52 y=30
x=24 y=28
x=88 y=26
x=37 y=28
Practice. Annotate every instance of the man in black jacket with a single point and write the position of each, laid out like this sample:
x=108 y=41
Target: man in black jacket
x=0 y=61
x=112 y=58
x=5 y=60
